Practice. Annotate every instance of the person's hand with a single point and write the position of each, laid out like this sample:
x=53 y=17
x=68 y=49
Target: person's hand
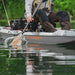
x=30 y=19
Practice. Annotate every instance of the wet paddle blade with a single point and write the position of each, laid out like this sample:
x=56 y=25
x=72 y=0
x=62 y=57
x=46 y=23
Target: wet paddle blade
x=17 y=42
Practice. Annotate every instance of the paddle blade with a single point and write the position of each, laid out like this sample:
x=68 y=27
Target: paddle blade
x=17 y=42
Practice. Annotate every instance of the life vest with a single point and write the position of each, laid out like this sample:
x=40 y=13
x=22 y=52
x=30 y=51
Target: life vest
x=46 y=4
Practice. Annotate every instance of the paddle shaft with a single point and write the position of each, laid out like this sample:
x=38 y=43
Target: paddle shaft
x=32 y=15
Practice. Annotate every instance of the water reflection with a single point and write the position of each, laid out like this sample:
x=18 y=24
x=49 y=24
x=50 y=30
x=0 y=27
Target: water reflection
x=38 y=59
x=46 y=58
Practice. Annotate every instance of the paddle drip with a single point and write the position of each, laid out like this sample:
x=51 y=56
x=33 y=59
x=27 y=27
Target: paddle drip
x=17 y=42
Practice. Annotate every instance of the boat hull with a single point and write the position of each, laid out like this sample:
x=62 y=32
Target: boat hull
x=60 y=36
x=49 y=39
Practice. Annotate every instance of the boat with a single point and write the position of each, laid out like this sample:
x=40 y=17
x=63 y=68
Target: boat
x=57 y=37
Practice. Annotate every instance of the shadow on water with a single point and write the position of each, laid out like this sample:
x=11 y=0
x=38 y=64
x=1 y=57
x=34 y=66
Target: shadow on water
x=69 y=45
x=38 y=59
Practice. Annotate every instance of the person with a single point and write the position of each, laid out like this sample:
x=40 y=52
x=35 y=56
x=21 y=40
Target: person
x=40 y=16
x=45 y=17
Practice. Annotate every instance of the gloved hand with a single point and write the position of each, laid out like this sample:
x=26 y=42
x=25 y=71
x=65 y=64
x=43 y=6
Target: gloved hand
x=44 y=0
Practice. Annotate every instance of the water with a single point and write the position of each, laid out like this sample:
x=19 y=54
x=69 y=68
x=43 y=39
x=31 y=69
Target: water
x=3 y=23
x=38 y=59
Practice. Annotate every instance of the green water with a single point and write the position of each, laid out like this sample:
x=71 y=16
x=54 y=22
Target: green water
x=11 y=66
x=3 y=22
x=13 y=62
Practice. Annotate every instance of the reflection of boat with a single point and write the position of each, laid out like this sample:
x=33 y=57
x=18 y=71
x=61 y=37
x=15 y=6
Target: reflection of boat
x=60 y=36
x=51 y=52
x=59 y=49
x=42 y=59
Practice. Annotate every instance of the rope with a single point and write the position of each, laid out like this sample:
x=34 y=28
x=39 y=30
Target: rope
x=6 y=12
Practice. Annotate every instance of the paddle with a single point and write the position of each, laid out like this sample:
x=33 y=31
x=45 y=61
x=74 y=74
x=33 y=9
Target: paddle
x=17 y=41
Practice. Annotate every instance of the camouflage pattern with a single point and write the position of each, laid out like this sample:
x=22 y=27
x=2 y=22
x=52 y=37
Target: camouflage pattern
x=48 y=27
x=62 y=17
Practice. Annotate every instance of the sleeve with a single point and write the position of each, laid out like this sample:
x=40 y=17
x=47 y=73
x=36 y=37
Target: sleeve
x=28 y=7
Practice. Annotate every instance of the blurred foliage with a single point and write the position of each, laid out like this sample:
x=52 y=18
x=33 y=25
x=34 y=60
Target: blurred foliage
x=15 y=8
x=65 y=5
